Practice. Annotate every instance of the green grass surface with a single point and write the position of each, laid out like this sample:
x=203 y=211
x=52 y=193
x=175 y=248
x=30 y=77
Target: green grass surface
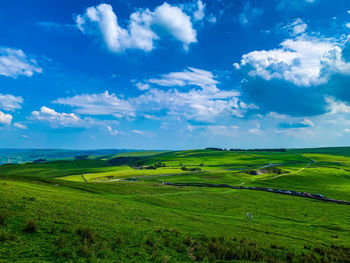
x=49 y=213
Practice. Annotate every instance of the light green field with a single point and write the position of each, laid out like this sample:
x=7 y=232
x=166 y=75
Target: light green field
x=106 y=220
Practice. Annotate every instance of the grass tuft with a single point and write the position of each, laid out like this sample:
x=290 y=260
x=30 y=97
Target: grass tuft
x=30 y=226
x=86 y=234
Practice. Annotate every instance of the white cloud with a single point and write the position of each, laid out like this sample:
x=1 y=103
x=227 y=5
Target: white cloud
x=56 y=119
x=112 y=131
x=191 y=76
x=249 y=13
x=142 y=86
x=347 y=25
x=137 y=132
x=144 y=27
x=205 y=102
x=150 y=117
x=297 y=27
x=347 y=130
x=13 y=62
x=199 y=14
x=5 y=119
x=302 y=61
x=20 y=126
x=212 y=19
x=336 y=106
x=308 y=122
x=10 y=102
x=99 y=104
x=276 y=115
x=255 y=131
x=195 y=105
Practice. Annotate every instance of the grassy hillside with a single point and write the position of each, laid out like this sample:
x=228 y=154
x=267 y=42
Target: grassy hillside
x=49 y=213
x=341 y=151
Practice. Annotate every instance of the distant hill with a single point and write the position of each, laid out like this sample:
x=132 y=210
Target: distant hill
x=28 y=155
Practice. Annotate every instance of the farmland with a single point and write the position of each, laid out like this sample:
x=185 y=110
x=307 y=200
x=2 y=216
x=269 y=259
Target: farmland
x=144 y=206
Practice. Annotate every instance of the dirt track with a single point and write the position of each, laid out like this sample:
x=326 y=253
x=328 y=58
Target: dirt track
x=270 y=190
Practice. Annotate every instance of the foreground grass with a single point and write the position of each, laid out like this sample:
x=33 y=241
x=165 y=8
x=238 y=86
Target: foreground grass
x=46 y=218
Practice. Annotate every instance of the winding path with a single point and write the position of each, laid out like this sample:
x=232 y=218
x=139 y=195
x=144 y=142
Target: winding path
x=276 y=191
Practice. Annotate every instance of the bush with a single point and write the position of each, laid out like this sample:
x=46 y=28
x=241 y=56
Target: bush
x=4 y=236
x=2 y=219
x=195 y=169
x=30 y=226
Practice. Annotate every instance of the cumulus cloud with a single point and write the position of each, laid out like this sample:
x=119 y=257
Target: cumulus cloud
x=296 y=78
x=203 y=102
x=300 y=61
x=5 y=119
x=337 y=106
x=99 y=104
x=195 y=105
x=10 y=102
x=143 y=29
x=14 y=62
x=56 y=119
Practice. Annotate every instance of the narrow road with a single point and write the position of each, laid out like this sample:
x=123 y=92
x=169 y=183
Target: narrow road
x=276 y=191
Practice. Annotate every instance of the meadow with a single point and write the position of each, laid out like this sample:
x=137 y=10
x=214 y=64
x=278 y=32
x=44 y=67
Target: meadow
x=118 y=208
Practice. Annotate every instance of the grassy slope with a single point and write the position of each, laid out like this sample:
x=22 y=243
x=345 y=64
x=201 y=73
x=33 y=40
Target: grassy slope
x=147 y=221
x=341 y=151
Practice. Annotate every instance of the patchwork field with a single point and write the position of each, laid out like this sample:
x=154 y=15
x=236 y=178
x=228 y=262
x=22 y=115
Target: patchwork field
x=128 y=207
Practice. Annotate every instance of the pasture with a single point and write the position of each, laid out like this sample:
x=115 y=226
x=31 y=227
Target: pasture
x=124 y=213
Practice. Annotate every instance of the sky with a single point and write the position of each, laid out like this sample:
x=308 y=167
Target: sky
x=174 y=75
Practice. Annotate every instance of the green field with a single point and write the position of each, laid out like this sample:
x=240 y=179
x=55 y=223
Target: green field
x=93 y=210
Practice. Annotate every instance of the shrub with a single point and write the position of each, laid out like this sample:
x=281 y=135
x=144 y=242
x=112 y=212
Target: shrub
x=30 y=226
x=2 y=219
x=4 y=236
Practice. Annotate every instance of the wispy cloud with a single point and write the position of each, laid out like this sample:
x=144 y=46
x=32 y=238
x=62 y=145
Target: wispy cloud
x=14 y=62
x=20 y=126
x=10 y=102
x=99 y=104
x=190 y=76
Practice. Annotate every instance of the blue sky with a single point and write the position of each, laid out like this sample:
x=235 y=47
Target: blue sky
x=174 y=75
